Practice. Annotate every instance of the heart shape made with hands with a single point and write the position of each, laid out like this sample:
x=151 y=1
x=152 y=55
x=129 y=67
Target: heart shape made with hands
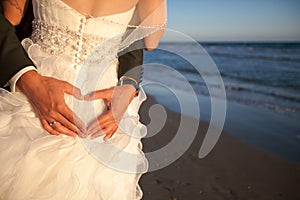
x=87 y=110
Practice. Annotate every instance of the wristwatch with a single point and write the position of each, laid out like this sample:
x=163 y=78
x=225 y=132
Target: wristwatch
x=126 y=80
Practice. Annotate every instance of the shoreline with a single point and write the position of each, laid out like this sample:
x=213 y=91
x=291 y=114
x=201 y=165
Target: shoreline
x=276 y=133
x=233 y=170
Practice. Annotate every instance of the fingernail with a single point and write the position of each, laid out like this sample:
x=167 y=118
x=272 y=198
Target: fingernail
x=81 y=135
x=82 y=130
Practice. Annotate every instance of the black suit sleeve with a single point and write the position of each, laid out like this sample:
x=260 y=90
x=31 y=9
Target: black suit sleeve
x=13 y=57
x=24 y=29
x=130 y=63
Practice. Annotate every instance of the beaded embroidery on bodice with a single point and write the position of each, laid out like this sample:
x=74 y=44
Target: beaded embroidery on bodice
x=60 y=29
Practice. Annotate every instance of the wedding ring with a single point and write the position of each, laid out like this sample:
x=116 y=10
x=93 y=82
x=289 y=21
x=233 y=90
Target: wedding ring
x=52 y=123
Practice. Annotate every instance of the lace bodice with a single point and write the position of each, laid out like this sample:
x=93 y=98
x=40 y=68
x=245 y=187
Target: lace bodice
x=60 y=29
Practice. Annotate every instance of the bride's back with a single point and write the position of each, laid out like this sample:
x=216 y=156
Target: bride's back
x=98 y=8
x=15 y=11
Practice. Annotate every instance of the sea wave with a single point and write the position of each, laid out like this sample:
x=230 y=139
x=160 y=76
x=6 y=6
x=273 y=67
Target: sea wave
x=261 y=74
x=256 y=56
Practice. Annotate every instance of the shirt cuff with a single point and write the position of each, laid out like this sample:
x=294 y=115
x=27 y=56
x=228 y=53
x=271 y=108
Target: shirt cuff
x=12 y=82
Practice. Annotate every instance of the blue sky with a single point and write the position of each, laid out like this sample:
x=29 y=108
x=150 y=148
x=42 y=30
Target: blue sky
x=236 y=20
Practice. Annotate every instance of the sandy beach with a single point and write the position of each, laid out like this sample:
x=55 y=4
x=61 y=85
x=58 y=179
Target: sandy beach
x=233 y=170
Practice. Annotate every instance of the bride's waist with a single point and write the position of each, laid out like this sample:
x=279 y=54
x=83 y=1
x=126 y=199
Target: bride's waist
x=58 y=40
x=87 y=75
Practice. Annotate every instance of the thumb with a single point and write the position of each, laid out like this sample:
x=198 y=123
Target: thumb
x=72 y=90
x=99 y=94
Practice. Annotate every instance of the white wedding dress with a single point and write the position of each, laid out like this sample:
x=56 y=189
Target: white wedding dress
x=36 y=165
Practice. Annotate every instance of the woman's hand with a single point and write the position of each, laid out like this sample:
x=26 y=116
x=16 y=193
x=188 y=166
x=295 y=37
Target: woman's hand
x=117 y=100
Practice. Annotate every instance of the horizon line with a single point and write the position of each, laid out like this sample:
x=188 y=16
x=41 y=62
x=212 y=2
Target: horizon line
x=233 y=41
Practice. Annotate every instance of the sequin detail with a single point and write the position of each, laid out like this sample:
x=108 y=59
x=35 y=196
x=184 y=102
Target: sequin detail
x=56 y=40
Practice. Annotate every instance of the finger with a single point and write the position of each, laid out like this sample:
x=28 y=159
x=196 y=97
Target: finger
x=99 y=94
x=72 y=90
x=63 y=130
x=70 y=120
x=99 y=128
x=68 y=125
x=97 y=134
x=110 y=132
x=44 y=122
x=95 y=95
x=94 y=126
x=82 y=135
x=48 y=128
x=99 y=123
x=104 y=120
x=107 y=129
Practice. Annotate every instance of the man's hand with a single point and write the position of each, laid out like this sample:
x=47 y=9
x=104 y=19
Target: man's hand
x=46 y=95
x=117 y=100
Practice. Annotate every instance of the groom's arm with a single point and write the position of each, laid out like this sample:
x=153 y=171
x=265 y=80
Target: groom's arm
x=44 y=93
x=13 y=57
x=130 y=64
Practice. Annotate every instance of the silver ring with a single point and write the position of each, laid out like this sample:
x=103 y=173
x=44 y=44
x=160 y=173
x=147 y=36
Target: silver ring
x=52 y=123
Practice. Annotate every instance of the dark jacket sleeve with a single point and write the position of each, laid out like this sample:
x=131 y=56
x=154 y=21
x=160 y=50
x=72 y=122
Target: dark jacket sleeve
x=24 y=29
x=13 y=57
x=130 y=63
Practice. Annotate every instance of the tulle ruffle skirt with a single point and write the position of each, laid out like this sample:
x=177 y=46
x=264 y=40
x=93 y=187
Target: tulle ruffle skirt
x=37 y=165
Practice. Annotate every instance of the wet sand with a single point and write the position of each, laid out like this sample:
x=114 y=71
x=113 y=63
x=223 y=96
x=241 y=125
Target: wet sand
x=233 y=170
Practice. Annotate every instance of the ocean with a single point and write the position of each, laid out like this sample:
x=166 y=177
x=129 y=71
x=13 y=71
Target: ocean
x=261 y=80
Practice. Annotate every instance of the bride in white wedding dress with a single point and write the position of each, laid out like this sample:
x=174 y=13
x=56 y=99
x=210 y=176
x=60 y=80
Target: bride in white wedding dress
x=80 y=48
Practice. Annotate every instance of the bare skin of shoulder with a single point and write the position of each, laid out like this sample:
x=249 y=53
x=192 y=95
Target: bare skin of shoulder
x=101 y=7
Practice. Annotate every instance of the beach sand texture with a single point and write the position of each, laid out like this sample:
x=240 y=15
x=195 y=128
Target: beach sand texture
x=233 y=170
